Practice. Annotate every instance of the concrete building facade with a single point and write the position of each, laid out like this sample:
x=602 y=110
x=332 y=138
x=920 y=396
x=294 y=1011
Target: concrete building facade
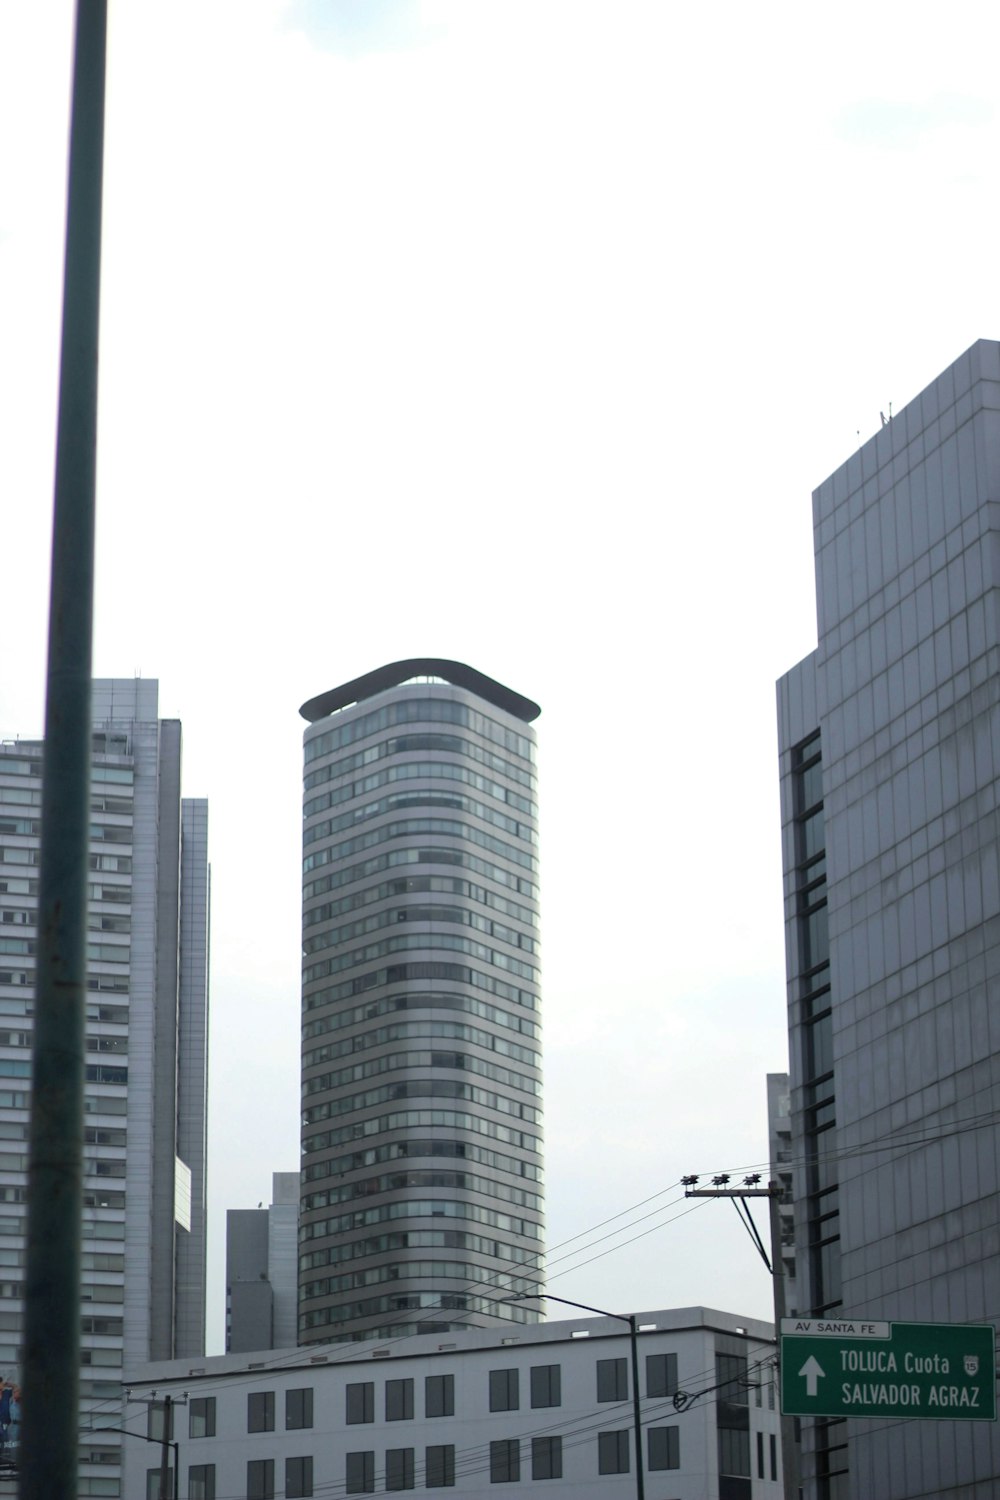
x=147 y=1042
x=262 y=1270
x=779 y=1140
x=480 y=1412
x=421 y=1063
x=890 y=752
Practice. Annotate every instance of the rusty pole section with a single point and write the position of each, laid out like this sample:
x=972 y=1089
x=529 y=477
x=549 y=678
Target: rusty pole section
x=50 y=1372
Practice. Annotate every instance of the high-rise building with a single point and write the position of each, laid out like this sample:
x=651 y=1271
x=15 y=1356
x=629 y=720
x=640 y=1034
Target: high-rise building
x=421 y=1066
x=262 y=1283
x=146 y=1076
x=890 y=751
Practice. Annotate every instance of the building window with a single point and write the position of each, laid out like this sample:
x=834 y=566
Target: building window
x=664 y=1447
x=439 y=1463
x=774 y=1455
x=361 y=1402
x=201 y=1482
x=734 y=1451
x=505 y=1461
x=612 y=1381
x=153 y=1477
x=260 y=1411
x=298 y=1477
x=439 y=1396
x=201 y=1417
x=260 y=1479
x=546 y=1457
x=503 y=1390
x=398 y=1400
x=760 y=1455
x=299 y=1408
x=661 y=1375
x=360 y=1473
x=399 y=1469
x=546 y=1385
x=732 y=1379
x=612 y=1452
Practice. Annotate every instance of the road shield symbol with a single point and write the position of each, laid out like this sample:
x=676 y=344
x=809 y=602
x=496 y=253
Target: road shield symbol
x=971 y=1363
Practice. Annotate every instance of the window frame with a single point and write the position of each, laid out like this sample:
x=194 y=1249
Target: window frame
x=505 y=1390
x=260 y=1411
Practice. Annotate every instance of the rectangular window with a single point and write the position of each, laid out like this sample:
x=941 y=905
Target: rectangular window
x=760 y=1455
x=774 y=1456
x=612 y=1381
x=734 y=1451
x=505 y=1461
x=732 y=1379
x=260 y=1411
x=361 y=1402
x=260 y=1479
x=612 y=1452
x=153 y=1483
x=546 y=1385
x=399 y=1468
x=439 y=1396
x=298 y=1477
x=201 y=1482
x=503 y=1390
x=299 y=1408
x=398 y=1400
x=664 y=1447
x=546 y=1457
x=201 y=1417
x=661 y=1375
x=360 y=1473
x=439 y=1462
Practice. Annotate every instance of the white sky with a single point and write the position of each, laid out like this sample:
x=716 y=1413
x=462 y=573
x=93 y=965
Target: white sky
x=519 y=333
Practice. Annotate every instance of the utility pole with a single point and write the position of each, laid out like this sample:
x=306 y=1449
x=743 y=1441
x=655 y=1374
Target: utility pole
x=167 y=1404
x=775 y=1264
x=165 y=1456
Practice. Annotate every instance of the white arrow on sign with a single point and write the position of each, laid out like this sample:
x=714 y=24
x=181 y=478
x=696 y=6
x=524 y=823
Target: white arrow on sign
x=812 y=1370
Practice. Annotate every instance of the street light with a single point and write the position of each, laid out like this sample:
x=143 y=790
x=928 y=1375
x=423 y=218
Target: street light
x=633 y=1333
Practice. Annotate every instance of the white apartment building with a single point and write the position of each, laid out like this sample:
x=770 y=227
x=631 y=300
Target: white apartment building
x=482 y=1411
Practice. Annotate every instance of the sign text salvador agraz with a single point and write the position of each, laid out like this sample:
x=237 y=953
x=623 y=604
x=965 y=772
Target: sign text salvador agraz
x=853 y=1367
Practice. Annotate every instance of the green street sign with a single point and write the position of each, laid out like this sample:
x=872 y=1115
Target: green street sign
x=857 y=1367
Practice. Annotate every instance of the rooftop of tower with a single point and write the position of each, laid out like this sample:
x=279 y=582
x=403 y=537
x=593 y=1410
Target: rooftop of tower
x=395 y=673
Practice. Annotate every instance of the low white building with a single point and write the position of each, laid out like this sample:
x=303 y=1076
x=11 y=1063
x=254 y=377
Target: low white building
x=476 y=1411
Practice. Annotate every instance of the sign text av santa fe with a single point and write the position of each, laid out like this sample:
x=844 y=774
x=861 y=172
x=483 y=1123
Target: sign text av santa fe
x=872 y=1368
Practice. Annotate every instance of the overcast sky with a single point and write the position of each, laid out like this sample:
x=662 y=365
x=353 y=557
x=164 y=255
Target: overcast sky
x=518 y=333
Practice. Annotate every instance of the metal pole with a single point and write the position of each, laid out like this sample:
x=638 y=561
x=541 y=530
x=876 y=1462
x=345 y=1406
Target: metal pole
x=789 y=1447
x=640 y=1482
x=633 y=1329
x=165 y=1455
x=55 y=1195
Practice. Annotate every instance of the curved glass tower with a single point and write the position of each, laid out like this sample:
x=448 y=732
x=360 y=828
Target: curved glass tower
x=421 y=1063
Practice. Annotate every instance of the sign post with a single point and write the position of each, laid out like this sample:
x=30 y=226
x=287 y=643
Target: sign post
x=858 y=1367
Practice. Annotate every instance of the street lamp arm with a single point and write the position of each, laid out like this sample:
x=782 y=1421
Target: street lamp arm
x=633 y=1332
x=601 y=1312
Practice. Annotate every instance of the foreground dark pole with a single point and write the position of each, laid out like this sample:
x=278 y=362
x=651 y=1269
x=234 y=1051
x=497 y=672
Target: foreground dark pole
x=633 y=1333
x=50 y=1374
x=789 y=1446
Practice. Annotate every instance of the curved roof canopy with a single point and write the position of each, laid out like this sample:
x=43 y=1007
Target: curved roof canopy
x=397 y=672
